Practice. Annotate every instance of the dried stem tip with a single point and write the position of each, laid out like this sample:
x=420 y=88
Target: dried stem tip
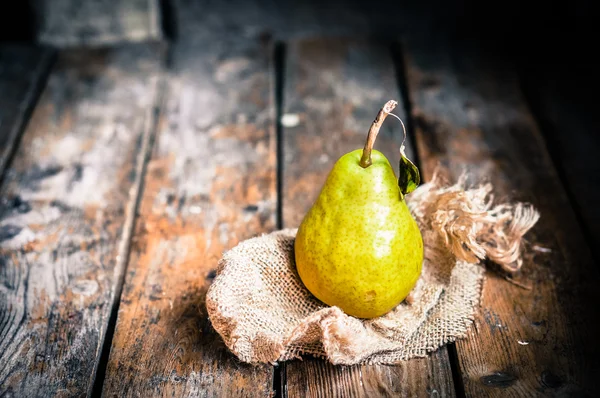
x=365 y=160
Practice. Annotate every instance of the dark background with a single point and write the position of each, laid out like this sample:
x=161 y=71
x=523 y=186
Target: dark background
x=554 y=39
x=557 y=37
x=553 y=44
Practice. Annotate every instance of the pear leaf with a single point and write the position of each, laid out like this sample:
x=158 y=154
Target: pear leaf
x=409 y=176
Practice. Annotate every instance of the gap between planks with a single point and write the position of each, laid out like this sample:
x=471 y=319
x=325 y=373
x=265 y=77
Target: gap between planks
x=28 y=104
x=398 y=57
x=135 y=195
x=59 y=341
x=280 y=49
x=364 y=76
x=190 y=192
x=465 y=97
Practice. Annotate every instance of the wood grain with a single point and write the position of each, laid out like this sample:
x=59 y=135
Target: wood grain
x=65 y=201
x=23 y=72
x=69 y=23
x=469 y=113
x=422 y=377
x=333 y=90
x=210 y=183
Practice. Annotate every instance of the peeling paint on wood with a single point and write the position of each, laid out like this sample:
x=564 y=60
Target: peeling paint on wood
x=475 y=119
x=65 y=196
x=210 y=183
x=336 y=87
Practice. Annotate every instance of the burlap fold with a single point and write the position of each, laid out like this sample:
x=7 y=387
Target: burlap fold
x=263 y=312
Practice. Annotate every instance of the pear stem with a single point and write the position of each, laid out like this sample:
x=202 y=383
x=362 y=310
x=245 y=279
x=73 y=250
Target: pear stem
x=365 y=160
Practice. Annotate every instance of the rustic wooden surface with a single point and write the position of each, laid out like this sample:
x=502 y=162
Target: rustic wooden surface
x=69 y=23
x=211 y=182
x=23 y=71
x=195 y=144
x=64 y=217
x=468 y=111
x=333 y=90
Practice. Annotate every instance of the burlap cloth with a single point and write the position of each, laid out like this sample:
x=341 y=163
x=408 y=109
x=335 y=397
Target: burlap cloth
x=264 y=313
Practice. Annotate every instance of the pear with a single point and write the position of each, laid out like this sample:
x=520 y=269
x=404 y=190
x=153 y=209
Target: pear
x=359 y=248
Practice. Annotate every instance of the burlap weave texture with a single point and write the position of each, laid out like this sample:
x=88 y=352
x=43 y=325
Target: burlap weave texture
x=263 y=312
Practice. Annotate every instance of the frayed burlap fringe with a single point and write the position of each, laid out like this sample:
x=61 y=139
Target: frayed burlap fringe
x=264 y=313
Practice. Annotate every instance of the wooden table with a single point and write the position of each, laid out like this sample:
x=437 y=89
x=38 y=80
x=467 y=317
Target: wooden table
x=127 y=171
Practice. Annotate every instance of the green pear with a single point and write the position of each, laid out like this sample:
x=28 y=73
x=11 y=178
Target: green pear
x=359 y=248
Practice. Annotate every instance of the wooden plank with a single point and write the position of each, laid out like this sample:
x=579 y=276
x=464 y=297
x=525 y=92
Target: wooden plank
x=67 y=204
x=23 y=71
x=211 y=182
x=566 y=110
x=468 y=111
x=334 y=88
x=422 y=377
x=71 y=23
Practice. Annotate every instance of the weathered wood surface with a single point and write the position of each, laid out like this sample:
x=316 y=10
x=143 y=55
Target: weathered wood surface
x=468 y=111
x=23 y=71
x=211 y=182
x=63 y=216
x=564 y=99
x=333 y=90
x=423 y=377
x=65 y=23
